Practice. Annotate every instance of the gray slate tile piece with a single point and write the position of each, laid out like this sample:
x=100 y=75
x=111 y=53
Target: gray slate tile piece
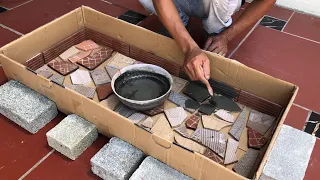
x=246 y=163
x=57 y=78
x=26 y=107
x=116 y=160
x=239 y=124
x=290 y=155
x=84 y=90
x=100 y=76
x=183 y=101
x=153 y=169
x=72 y=136
x=124 y=111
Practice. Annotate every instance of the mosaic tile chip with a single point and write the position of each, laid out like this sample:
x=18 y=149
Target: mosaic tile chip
x=222 y=102
x=124 y=111
x=87 y=45
x=239 y=124
x=206 y=109
x=224 y=115
x=100 y=76
x=57 y=78
x=196 y=92
x=79 y=56
x=245 y=164
x=155 y=111
x=214 y=123
x=120 y=61
x=62 y=67
x=93 y=61
x=183 y=101
x=193 y=121
x=182 y=130
x=214 y=140
x=85 y=91
x=69 y=52
x=255 y=139
x=111 y=102
x=111 y=71
x=103 y=91
x=80 y=77
x=162 y=128
x=178 y=84
x=176 y=115
x=189 y=144
x=231 y=156
x=260 y=122
x=213 y=156
x=148 y=123
x=137 y=117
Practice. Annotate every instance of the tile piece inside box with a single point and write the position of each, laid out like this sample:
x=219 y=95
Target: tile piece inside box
x=255 y=139
x=100 y=76
x=214 y=123
x=224 y=89
x=124 y=111
x=222 y=102
x=45 y=74
x=245 y=164
x=148 y=123
x=111 y=71
x=176 y=115
x=224 y=115
x=193 y=121
x=213 y=156
x=80 y=77
x=132 y=17
x=57 y=78
x=182 y=130
x=120 y=61
x=260 y=122
x=273 y=23
x=80 y=55
x=87 y=45
x=206 y=109
x=137 y=117
x=62 y=67
x=178 y=84
x=189 y=144
x=196 y=92
x=239 y=124
x=94 y=60
x=111 y=102
x=155 y=111
x=232 y=147
x=162 y=128
x=85 y=91
x=183 y=101
x=69 y=52
x=103 y=91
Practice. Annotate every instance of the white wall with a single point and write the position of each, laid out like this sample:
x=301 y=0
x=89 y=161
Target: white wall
x=306 y=6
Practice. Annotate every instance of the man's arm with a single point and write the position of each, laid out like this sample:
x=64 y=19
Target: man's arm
x=256 y=9
x=197 y=64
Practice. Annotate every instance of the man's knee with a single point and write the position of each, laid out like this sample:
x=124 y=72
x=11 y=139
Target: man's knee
x=148 y=5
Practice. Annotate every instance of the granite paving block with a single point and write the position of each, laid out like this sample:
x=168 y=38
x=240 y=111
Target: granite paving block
x=72 y=136
x=239 y=124
x=183 y=101
x=196 y=92
x=117 y=160
x=25 y=107
x=290 y=155
x=153 y=169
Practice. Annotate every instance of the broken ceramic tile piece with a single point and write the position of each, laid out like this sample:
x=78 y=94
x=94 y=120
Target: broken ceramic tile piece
x=224 y=115
x=111 y=102
x=80 y=55
x=245 y=164
x=196 y=92
x=62 y=67
x=260 y=122
x=176 y=115
x=213 y=156
x=239 y=124
x=183 y=101
x=45 y=74
x=69 y=52
x=57 y=78
x=255 y=139
x=100 y=76
x=137 y=117
x=214 y=140
x=124 y=111
x=94 y=60
x=148 y=123
x=232 y=147
x=178 y=84
x=103 y=91
x=87 y=45
x=182 y=130
x=214 y=123
x=192 y=121
x=189 y=144
x=222 y=102
x=111 y=71
x=120 y=61
x=155 y=111
x=162 y=128
x=85 y=91
x=80 y=77
x=206 y=109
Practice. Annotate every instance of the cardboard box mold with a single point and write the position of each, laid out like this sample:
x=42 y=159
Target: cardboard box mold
x=248 y=86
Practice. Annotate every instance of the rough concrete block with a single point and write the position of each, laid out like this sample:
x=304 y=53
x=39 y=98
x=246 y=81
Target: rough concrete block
x=153 y=169
x=72 y=136
x=290 y=155
x=117 y=160
x=26 y=107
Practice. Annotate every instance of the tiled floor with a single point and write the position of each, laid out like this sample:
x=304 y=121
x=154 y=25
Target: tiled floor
x=290 y=54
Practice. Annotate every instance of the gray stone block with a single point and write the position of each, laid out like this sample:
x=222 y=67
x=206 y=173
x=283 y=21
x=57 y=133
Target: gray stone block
x=153 y=169
x=117 y=160
x=290 y=155
x=72 y=136
x=26 y=107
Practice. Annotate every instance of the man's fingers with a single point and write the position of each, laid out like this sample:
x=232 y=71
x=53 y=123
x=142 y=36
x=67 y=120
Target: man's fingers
x=213 y=46
x=200 y=76
x=206 y=68
x=209 y=41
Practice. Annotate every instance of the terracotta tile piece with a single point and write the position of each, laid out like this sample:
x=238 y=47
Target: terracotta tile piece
x=213 y=156
x=87 y=45
x=245 y=164
x=80 y=77
x=69 y=52
x=239 y=124
x=232 y=147
x=260 y=122
x=189 y=144
x=57 y=78
x=93 y=61
x=62 y=67
x=155 y=111
x=192 y=121
x=111 y=71
x=103 y=91
x=176 y=115
x=100 y=76
x=182 y=130
x=214 y=123
x=224 y=115
x=85 y=91
x=137 y=117
x=162 y=128
x=80 y=55
x=255 y=139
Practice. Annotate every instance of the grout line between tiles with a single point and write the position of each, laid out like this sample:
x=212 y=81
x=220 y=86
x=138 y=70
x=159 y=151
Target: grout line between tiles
x=10 y=29
x=20 y=5
x=36 y=165
x=287 y=21
x=302 y=37
x=302 y=107
x=242 y=41
x=106 y=1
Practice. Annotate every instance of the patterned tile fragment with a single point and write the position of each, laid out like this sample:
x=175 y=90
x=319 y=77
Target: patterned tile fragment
x=62 y=67
x=224 y=115
x=45 y=74
x=111 y=102
x=260 y=122
x=239 y=124
x=245 y=164
x=85 y=91
x=120 y=61
x=255 y=139
x=213 y=156
x=176 y=115
x=182 y=130
x=193 y=121
x=57 y=78
x=94 y=60
x=80 y=55
x=231 y=156
x=155 y=111
x=69 y=52
x=80 y=77
x=87 y=45
x=100 y=76
x=137 y=117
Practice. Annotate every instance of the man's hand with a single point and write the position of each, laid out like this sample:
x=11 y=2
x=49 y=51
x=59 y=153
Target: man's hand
x=217 y=44
x=197 y=67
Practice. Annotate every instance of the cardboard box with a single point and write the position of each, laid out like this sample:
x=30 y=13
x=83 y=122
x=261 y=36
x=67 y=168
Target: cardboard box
x=250 y=87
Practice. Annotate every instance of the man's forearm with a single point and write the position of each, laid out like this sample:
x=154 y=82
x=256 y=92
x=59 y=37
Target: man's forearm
x=170 y=18
x=250 y=16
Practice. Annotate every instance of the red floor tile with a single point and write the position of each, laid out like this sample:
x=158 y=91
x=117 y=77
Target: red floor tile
x=7 y=36
x=133 y=5
x=19 y=149
x=285 y=57
x=40 y=12
x=305 y=26
x=280 y=13
x=3 y=77
x=8 y=4
x=312 y=172
x=56 y=163
x=296 y=117
x=151 y=23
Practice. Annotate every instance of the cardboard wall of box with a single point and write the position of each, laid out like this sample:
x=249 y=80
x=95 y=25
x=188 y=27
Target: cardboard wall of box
x=110 y=123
